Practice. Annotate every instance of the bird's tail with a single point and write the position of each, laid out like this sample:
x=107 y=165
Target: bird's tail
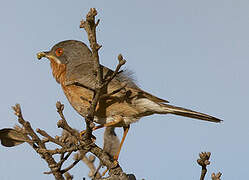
x=166 y=108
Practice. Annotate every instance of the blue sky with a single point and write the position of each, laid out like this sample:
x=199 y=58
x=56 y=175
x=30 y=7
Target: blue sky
x=192 y=53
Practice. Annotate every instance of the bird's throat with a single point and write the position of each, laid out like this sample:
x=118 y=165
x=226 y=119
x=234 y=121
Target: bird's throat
x=58 y=70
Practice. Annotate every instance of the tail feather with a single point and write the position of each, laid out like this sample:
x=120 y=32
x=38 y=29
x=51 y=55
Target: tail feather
x=188 y=113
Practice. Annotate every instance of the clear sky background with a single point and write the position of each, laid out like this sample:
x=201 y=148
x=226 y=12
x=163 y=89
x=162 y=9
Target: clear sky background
x=193 y=53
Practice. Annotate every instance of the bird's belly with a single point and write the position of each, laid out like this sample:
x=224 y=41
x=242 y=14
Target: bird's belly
x=106 y=111
x=79 y=98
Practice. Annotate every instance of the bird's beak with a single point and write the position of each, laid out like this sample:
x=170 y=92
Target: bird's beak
x=48 y=56
x=42 y=54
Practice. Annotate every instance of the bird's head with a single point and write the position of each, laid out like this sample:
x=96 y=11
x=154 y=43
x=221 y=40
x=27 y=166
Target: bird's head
x=67 y=52
x=65 y=56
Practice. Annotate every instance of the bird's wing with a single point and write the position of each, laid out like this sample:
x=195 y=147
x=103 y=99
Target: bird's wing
x=153 y=98
x=83 y=75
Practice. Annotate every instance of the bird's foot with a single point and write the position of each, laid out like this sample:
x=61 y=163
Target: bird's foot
x=115 y=163
x=82 y=133
x=115 y=160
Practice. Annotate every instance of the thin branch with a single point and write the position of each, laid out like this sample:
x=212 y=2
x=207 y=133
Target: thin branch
x=58 y=151
x=27 y=126
x=216 y=176
x=68 y=176
x=63 y=159
x=70 y=167
x=63 y=123
x=82 y=85
x=203 y=162
x=109 y=95
x=59 y=164
x=90 y=27
x=122 y=61
x=49 y=138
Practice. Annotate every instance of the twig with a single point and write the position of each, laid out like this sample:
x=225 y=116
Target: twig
x=216 y=176
x=58 y=151
x=49 y=138
x=122 y=61
x=27 y=126
x=109 y=95
x=90 y=27
x=59 y=164
x=63 y=123
x=203 y=162
x=68 y=176
x=63 y=159
x=70 y=167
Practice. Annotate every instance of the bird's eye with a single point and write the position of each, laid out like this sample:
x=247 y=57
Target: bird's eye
x=59 y=52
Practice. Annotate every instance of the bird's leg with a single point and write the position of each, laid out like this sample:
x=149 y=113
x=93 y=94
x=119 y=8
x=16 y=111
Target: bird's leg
x=103 y=174
x=126 y=129
x=118 y=119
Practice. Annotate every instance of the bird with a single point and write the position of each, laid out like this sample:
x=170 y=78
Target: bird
x=72 y=67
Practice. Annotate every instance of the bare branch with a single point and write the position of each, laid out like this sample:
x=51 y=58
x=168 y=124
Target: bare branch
x=58 y=151
x=68 y=176
x=49 y=138
x=90 y=27
x=63 y=123
x=109 y=95
x=203 y=162
x=121 y=63
x=63 y=159
x=70 y=167
x=27 y=126
x=216 y=176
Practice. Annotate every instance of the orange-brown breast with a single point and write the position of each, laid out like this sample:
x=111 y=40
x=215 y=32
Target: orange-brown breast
x=74 y=94
x=80 y=98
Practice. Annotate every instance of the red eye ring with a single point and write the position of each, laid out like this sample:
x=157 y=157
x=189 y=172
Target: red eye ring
x=59 y=52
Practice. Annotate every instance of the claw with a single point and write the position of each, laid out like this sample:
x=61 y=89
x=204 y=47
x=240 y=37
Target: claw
x=82 y=133
x=115 y=162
